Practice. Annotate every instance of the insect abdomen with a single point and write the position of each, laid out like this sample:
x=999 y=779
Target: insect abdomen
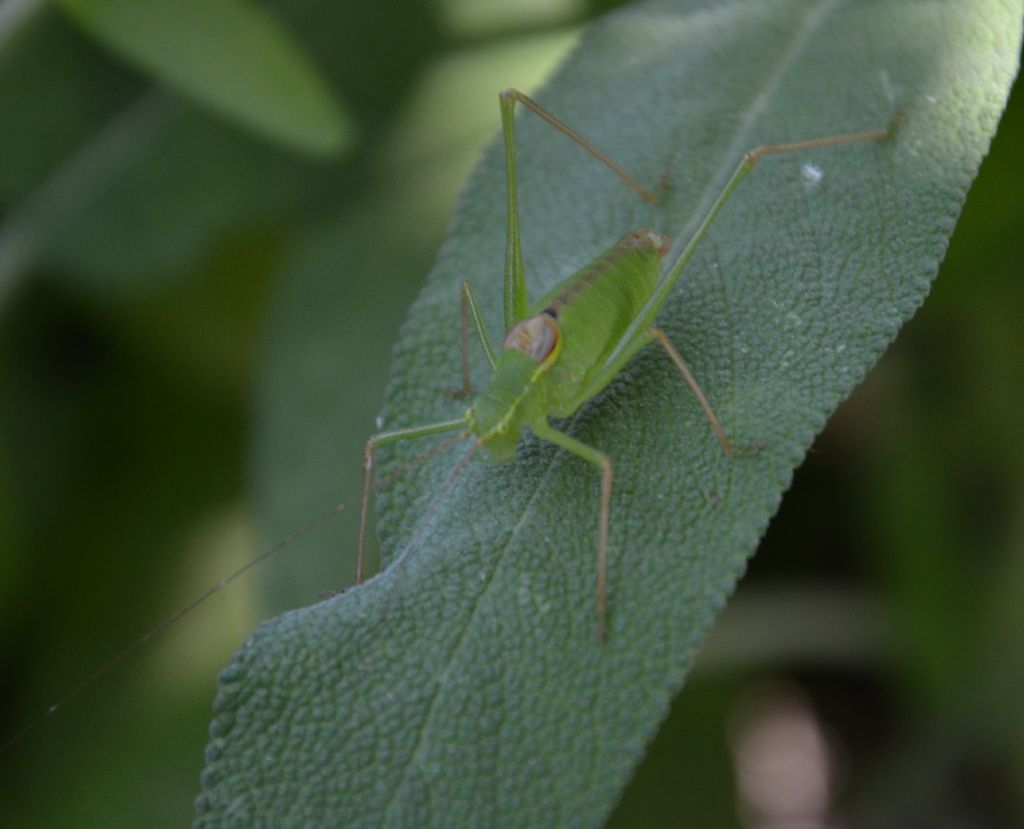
x=625 y=268
x=596 y=304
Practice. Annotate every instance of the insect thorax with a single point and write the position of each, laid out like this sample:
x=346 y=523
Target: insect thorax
x=514 y=396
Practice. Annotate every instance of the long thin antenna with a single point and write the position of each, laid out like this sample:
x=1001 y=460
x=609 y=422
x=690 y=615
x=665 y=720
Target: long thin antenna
x=424 y=523
x=447 y=485
x=159 y=628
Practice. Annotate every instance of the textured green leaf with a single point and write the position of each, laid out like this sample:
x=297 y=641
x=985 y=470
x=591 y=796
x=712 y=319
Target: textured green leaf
x=231 y=56
x=463 y=686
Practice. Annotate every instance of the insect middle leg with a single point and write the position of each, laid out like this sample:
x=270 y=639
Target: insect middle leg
x=599 y=459
x=698 y=392
x=588 y=453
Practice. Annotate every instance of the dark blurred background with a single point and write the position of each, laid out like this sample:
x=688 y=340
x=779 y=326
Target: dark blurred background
x=870 y=670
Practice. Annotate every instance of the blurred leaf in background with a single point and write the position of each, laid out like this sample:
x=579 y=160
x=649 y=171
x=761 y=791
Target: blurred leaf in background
x=230 y=55
x=150 y=248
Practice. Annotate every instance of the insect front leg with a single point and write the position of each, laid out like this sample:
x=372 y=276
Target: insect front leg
x=382 y=439
x=471 y=308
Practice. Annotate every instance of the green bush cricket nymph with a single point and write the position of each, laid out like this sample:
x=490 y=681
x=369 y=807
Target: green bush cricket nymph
x=556 y=355
x=565 y=348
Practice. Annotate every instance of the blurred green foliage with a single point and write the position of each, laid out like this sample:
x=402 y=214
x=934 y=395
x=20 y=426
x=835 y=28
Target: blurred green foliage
x=229 y=55
x=146 y=245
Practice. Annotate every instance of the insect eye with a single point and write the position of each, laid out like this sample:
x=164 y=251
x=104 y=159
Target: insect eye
x=535 y=336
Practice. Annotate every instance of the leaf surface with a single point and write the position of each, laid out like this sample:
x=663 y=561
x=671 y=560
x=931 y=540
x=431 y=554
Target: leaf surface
x=463 y=685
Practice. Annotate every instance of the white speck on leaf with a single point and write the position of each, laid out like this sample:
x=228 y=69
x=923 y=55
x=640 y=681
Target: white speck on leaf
x=811 y=175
